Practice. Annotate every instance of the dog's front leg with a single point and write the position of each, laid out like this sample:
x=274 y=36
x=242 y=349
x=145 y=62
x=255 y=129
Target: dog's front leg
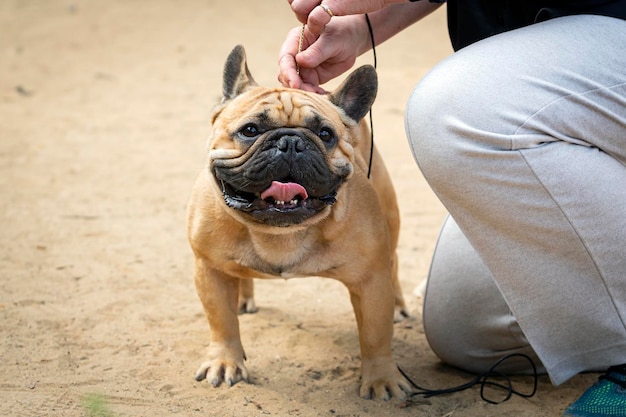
x=218 y=293
x=373 y=302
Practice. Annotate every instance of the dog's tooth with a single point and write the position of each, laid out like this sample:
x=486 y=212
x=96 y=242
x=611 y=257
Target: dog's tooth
x=294 y=201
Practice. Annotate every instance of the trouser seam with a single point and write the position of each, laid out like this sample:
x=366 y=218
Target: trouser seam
x=554 y=200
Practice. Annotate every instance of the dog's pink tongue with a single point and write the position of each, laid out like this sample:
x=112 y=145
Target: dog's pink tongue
x=284 y=191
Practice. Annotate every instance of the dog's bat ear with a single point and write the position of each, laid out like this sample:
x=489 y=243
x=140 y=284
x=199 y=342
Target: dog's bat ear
x=237 y=77
x=357 y=93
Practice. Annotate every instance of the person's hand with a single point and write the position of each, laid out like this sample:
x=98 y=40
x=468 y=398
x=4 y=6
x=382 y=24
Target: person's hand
x=335 y=34
x=323 y=57
x=318 y=14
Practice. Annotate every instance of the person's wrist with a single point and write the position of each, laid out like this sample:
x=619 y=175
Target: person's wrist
x=361 y=35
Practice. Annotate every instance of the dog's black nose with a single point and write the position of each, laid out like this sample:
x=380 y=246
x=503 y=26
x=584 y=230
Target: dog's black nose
x=291 y=144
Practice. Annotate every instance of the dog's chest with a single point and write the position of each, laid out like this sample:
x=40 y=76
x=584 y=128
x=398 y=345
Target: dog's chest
x=285 y=256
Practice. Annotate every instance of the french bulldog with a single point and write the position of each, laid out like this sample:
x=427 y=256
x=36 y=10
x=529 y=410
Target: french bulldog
x=286 y=194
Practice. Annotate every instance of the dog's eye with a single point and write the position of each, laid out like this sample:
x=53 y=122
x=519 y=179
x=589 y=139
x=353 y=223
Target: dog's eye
x=250 y=131
x=326 y=134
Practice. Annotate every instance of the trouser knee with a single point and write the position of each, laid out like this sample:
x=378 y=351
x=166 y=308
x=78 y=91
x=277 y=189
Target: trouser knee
x=466 y=320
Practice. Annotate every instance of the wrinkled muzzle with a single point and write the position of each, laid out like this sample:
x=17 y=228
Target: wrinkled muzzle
x=283 y=179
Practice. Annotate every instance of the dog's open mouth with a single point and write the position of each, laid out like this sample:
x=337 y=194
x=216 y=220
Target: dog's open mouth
x=283 y=203
x=285 y=194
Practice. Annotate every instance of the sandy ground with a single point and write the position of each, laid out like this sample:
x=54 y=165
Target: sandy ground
x=103 y=116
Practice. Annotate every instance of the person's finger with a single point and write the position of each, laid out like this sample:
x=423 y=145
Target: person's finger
x=302 y=8
x=292 y=42
x=287 y=67
x=310 y=81
x=312 y=56
x=288 y=74
x=319 y=18
x=317 y=50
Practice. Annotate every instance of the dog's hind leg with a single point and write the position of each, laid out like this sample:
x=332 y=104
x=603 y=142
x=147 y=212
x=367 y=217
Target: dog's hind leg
x=246 y=297
x=400 y=310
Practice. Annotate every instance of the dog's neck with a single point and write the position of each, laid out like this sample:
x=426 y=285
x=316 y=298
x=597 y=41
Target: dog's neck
x=285 y=249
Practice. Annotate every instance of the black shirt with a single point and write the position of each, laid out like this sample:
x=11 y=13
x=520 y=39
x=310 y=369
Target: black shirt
x=472 y=20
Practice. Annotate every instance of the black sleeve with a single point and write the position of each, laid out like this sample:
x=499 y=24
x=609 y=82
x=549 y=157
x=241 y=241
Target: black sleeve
x=472 y=20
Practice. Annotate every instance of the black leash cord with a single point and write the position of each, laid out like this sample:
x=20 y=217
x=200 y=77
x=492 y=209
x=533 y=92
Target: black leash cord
x=483 y=380
x=369 y=27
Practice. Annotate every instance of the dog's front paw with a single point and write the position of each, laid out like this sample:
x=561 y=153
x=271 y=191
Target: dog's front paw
x=216 y=371
x=381 y=380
